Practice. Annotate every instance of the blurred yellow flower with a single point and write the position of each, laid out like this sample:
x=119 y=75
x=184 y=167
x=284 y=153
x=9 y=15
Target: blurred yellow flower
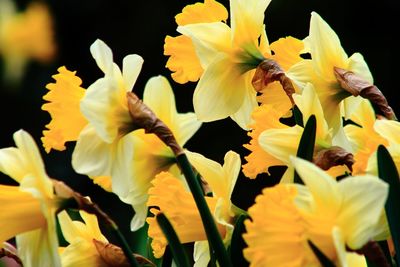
x=28 y=210
x=24 y=36
x=81 y=250
x=67 y=121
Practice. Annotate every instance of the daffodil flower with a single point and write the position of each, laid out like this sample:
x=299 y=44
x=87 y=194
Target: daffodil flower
x=168 y=193
x=331 y=214
x=228 y=57
x=28 y=210
x=273 y=142
x=145 y=155
x=103 y=142
x=81 y=250
x=327 y=53
x=25 y=36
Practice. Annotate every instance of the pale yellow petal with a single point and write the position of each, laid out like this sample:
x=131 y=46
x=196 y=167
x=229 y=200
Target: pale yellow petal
x=308 y=103
x=323 y=187
x=209 y=39
x=326 y=50
x=247 y=20
x=360 y=211
x=159 y=97
x=243 y=116
x=201 y=254
x=91 y=156
x=210 y=170
x=131 y=66
x=281 y=143
x=388 y=129
x=102 y=55
x=220 y=91
x=105 y=107
x=358 y=65
x=81 y=253
x=187 y=125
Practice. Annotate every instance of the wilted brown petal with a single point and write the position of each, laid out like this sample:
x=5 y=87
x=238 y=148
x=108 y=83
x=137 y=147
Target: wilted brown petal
x=334 y=156
x=356 y=85
x=144 y=118
x=269 y=71
x=114 y=256
x=10 y=252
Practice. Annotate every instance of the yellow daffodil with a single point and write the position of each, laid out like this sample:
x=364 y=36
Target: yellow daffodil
x=81 y=250
x=273 y=142
x=24 y=36
x=327 y=53
x=228 y=56
x=330 y=214
x=103 y=141
x=183 y=61
x=28 y=210
x=363 y=137
x=168 y=193
x=63 y=99
x=146 y=155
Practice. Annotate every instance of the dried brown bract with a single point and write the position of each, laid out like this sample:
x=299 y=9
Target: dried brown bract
x=357 y=86
x=334 y=156
x=144 y=118
x=269 y=71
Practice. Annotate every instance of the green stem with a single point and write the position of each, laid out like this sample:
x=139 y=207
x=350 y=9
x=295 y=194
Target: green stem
x=213 y=236
x=178 y=251
x=124 y=246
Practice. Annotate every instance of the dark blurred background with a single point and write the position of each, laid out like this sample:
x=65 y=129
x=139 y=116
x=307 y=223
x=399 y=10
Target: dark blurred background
x=368 y=27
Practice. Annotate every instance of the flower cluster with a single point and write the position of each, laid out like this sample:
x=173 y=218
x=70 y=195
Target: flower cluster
x=305 y=104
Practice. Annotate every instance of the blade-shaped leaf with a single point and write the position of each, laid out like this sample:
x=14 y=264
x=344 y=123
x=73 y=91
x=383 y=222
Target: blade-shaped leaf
x=237 y=243
x=177 y=249
x=323 y=259
x=306 y=145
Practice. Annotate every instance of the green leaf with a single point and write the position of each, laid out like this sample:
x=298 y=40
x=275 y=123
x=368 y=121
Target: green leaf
x=177 y=249
x=306 y=145
x=323 y=259
x=298 y=117
x=237 y=243
x=388 y=173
